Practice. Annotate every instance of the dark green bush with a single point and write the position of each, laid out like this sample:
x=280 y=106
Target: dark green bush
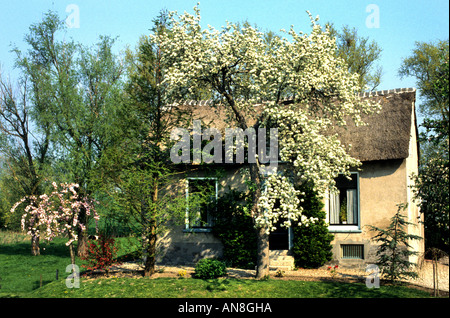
x=312 y=244
x=208 y=268
x=234 y=227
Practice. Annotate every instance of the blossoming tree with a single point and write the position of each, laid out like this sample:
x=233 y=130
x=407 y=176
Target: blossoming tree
x=303 y=88
x=57 y=214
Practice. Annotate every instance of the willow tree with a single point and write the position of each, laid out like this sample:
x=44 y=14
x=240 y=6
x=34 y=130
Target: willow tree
x=76 y=92
x=302 y=86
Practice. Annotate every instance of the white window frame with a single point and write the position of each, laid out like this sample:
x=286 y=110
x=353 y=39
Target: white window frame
x=356 y=228
x=208 y=228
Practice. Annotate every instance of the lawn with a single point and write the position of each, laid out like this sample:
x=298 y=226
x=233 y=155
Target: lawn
x=115 y=287
x=23 y=275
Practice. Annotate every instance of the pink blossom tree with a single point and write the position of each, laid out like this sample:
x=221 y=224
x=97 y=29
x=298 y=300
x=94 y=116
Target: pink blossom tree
x=57 y=214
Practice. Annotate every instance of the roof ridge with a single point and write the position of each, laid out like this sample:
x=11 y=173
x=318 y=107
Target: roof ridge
x=209 y=102
x=388 y=91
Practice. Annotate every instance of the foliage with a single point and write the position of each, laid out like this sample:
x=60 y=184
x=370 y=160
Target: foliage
x=139 y=191
x=101 y=253
x=394 y=251
x=257 y=70
x=24 y=153
x=360 y=56
x=431 y=188
x=10 y=194
x=312 y=242
x=233 y=225
x=135 y=170
x=429 y=64
x=208 y=268
x=75 y=95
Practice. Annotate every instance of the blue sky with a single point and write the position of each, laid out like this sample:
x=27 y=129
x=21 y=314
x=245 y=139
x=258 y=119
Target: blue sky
x=401 y=22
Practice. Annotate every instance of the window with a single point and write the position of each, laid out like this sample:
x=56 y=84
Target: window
x=352 y=251
x=344 y=204
x=201 y=198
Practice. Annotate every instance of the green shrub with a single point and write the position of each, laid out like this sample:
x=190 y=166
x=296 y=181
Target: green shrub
x=101 y=254
x=234 y=227
x=208 y=268
x=312 y=244
x=394 y=251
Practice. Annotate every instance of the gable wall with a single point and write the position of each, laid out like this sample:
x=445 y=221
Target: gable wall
x=412 y=166
x=382 y=185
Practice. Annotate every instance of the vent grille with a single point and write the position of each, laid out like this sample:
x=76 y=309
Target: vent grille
x=352 y=251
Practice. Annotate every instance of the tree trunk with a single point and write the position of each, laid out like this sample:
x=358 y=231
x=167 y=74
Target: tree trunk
x=72 y=253
x=82 y=249
x=151 y=237
x=262 y=268
x=35 y=250
x=150 y=261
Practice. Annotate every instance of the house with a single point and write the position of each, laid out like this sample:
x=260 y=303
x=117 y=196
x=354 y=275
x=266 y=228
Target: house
x=386 y=146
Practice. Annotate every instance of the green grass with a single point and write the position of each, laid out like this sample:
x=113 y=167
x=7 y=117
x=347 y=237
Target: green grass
x=20 y=276
x=219 y=288
x=20 y=272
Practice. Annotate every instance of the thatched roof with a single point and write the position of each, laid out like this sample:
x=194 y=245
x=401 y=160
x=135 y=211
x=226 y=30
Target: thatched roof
x=386 y=135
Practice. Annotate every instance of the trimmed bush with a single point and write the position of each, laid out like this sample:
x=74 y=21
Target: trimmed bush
x=208 y=268
x=312 y=244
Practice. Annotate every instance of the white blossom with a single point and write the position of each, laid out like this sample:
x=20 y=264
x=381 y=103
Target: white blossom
x=239 y=63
